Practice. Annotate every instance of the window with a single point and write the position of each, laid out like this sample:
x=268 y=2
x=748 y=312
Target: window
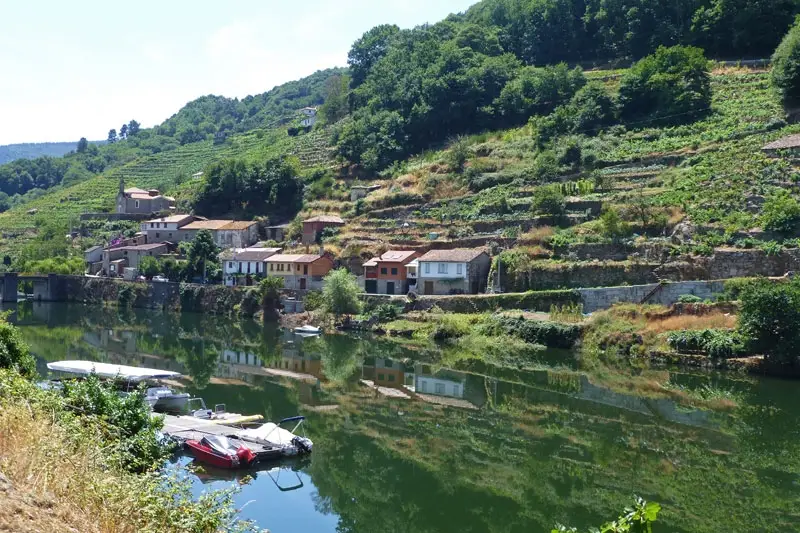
x=230 y=264
x=460 y=269
x=381 y=377
x=158 y=235
x=394 y=272
x=305 y=270
x=271 y=267
x=456 y=390
x=137 y=204
x=384 y=271
x=439 y=388
x=152 y=225
x=170 y=234
x=442 y=268
x=298 y=268
x=423 y=386
x=427 y=268
x=391 y=377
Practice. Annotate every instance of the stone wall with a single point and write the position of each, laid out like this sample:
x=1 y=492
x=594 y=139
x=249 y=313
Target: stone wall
x=731 y=263
x=667 y=293
x=554 y=275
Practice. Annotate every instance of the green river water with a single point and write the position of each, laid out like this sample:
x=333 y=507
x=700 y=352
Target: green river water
x=402 y=445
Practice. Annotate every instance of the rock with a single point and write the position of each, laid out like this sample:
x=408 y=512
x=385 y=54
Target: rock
x=683 y=233
x=5 y=484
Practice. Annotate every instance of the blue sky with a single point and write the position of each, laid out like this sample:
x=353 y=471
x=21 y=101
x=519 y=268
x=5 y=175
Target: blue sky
x=77 y=69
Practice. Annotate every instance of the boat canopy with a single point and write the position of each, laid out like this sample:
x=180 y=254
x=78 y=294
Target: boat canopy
x=107 y=370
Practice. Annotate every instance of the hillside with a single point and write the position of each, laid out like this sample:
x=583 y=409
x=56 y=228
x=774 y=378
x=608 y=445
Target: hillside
x=10 y=152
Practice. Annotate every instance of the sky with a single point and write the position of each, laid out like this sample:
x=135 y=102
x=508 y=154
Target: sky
x=77 y=69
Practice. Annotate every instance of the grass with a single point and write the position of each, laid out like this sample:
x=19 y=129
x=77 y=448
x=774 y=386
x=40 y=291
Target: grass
x=59 y=477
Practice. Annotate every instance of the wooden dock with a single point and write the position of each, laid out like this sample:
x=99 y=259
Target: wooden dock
x=183 y=428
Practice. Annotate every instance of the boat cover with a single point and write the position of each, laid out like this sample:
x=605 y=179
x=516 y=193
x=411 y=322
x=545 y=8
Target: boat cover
x=220 y=444
x=269 y=433
x=107 y=370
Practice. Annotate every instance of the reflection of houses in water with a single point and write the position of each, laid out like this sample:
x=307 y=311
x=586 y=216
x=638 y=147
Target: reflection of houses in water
x=443 y=387
x=119 y=341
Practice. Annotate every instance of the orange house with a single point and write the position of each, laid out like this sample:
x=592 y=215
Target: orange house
x=299 y=272
x=388 y=274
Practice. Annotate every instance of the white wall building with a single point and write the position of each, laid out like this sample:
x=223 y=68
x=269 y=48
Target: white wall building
x=239 y=263
x=310 y=116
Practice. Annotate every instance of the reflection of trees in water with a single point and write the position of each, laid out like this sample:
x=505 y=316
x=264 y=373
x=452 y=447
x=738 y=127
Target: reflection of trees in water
x=341 y=355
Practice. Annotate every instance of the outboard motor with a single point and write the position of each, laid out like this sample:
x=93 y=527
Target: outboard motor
x=303 y=444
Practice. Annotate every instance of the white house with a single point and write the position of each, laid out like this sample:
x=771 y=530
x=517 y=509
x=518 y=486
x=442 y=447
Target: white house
x=459 y=271
x=309 y=116
x=239 y=263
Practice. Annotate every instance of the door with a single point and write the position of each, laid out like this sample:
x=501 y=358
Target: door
x=302 y=284
x=390 y=287
x=371 y=286
x=428 y=287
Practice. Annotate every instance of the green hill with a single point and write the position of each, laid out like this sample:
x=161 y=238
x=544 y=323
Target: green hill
x=10 y=152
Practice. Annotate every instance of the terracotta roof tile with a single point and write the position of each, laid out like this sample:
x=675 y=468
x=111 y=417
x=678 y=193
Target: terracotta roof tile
x=293 y=258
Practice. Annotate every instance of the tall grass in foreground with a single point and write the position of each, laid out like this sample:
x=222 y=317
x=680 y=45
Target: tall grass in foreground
x=59 y=460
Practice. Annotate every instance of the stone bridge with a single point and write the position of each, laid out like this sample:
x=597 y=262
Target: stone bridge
x=45 y=288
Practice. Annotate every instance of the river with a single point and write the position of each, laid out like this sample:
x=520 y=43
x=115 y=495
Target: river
x=403 y=445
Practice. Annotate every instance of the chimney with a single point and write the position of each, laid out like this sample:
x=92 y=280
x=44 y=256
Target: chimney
x=321 y=250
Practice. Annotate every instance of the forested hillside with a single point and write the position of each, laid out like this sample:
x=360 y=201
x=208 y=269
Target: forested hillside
x=10 y=152
x=494 y=119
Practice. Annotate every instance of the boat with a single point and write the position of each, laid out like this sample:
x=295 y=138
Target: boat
x=272 y=435
x=307 y=330
x=159 y=397
x=221 y=452
x=220 y=415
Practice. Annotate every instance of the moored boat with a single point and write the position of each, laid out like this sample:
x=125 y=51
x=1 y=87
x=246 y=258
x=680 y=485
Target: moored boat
x=221 y=452
x=274 y=436
x=307 y=330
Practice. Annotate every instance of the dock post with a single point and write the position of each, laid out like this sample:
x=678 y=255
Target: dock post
x=10 y=287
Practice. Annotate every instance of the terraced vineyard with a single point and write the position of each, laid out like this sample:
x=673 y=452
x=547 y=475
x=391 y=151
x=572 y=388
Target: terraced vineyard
x=168 y=171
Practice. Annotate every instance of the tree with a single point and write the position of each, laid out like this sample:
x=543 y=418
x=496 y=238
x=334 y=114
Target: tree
x=367 y=50
x=123 y=132
x=786 y=66
x=769 y=316
x=133 y=128
x=83 y=144
x=674 y=84
x=340 y=293
x=14 y=352
x=112 y=136
x=202 y=253
x=335 y=107
x=149 y=267
x=270 y=290
x=592 y=108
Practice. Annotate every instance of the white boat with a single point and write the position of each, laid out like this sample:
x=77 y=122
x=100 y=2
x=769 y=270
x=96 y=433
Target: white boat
x=307 y=330
x=159 y=398
x=274 y=436
x=220 y=414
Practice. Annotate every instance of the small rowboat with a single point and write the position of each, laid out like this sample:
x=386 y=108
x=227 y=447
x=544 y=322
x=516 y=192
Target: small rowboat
x=221 y=452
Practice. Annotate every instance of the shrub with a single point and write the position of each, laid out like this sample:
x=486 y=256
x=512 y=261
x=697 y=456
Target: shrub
x=689 y=299
x=769 y=317
x=458 y=154
x=716 y=343
x=612 y=225
x=14 y=353
x=674 y=83
x=786 y=66
x=548 y=200
x=313 y=301
x=385 y=313
x=593 y=108
x=780 y=213
x=550 y=334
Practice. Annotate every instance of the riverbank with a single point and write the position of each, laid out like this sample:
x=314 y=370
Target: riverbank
x=60 y=471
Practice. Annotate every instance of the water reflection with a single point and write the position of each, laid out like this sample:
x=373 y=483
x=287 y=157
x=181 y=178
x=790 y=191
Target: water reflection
x=405 y=445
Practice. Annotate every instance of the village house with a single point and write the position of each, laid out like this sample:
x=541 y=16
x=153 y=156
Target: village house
x=459 y=271
x=118 y=260
x=241 y=266
x=300 y=272
x=177 y=228
x=388 y=274
x=313 y=227
x=135 y=201
x=309 y=117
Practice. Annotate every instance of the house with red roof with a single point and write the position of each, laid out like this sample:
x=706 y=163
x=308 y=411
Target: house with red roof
x=388 y=274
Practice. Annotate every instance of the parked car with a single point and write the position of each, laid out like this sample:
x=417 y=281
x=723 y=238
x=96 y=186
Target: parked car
x=160 y=279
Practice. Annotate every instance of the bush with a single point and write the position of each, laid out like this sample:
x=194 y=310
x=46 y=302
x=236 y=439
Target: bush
x=612 y=225
x=385 y=313
x=548 y=200
x=313 y=301
x=550 y=334
x=592 y=108
x=689 y=299
x=769 y=317
x=673 y=84
x=780 y=213
x=14 y=353
x=716 y=343
x=786 y=66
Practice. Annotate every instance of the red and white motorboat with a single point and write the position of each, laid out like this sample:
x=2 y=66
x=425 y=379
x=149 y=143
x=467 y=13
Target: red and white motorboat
x=222 y=452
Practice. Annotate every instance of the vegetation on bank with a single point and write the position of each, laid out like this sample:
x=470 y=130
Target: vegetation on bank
x=94 y=457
